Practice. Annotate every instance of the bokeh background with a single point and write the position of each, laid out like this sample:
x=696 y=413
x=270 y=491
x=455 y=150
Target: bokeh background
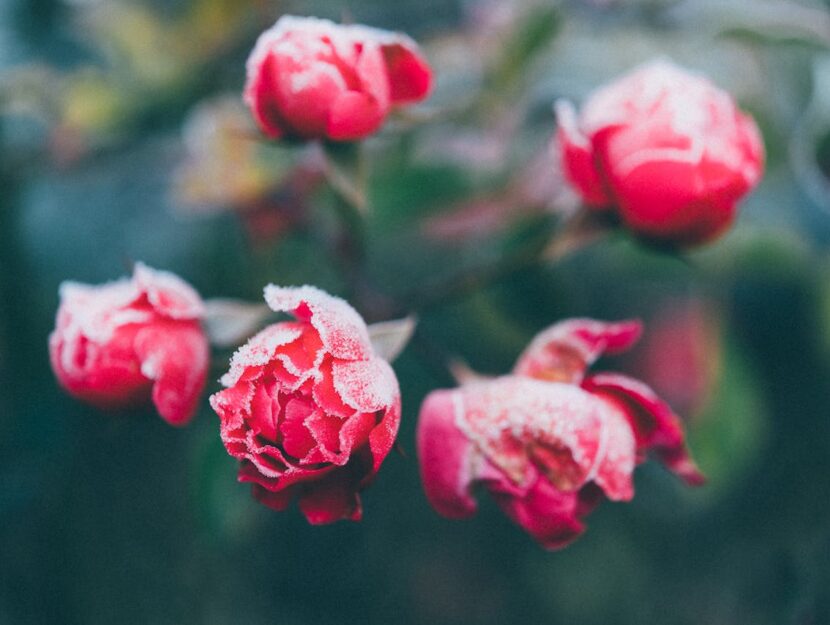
x=123 y=138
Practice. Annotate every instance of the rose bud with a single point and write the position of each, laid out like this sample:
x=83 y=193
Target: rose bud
x=681 y=356
x=548 y=441
x=309 y=411
x=310 y=78
x=121 y=344
x=666 y=149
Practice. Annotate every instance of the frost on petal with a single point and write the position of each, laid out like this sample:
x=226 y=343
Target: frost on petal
x=447 y=457
x=617 y=456
x=342 y=330
x=96 y=312
x=168 y=294
x=565 y=350
x=382 y=437
x=176 y=358
x=523 y=425
x=260 y=349
x=655 y=425
x=365 y=385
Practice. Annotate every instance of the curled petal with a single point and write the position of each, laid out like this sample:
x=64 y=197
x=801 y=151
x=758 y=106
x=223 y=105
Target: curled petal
x=260 y=349
x=341 y=329
x=564 y=351
x=176 y=358
x=382 y=436
x=655 y=425
x=410 y=77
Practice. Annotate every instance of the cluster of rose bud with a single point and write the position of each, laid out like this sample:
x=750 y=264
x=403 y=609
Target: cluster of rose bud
x=310 y=410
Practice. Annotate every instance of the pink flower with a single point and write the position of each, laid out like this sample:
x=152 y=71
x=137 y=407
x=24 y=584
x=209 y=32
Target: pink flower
x=548 y=441
x=666 y=149
x=311 y=78
x=123 y=343
x=310 y=411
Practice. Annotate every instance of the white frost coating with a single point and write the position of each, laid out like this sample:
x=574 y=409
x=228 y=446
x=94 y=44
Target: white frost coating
x=662 y=92
x=586 y=338
x=259 y=350
x=168 y=293
x=311 y=77
x=280 y=39
x=341 y=329
x=365 y=385
x=505 y=418
x=505 y=415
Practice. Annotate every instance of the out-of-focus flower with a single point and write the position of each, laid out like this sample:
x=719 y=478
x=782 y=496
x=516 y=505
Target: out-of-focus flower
x=123 y=343
x=224 y=165
x=680 y=357
x=226 y=169
x=310 y=410
x=310 y=78
x=666 y=149
x=548 y=441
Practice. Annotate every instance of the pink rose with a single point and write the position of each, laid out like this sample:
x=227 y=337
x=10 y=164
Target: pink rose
x=548 y=441
x=666 y=149
x=310 y=411
x=123 y=343
x=311 y=78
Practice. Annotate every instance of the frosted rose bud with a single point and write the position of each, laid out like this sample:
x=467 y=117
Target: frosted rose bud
x=310 y=78
x=548 y=441
x=666 y=149
x=309 y=411
x=124 y=343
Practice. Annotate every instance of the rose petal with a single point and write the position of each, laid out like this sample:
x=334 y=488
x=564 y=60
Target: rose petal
x=410 y=76
x=654 y=424
x=447 y=458
x=260 y=349
x=547 y=514
x=331 y=499
x=365 y=385
x=577 y=157
x=565 y=350
x=342 y=330
x=382 y=437
x=168 y=294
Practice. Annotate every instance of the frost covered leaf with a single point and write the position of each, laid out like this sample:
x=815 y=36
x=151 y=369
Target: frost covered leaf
x=228 y=322
x=389 y=338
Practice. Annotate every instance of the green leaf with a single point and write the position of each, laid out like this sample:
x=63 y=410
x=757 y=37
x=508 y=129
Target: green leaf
x=533 y=34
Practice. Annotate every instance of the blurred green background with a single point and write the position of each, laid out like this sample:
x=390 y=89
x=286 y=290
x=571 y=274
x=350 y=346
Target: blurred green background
x=122 y=138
